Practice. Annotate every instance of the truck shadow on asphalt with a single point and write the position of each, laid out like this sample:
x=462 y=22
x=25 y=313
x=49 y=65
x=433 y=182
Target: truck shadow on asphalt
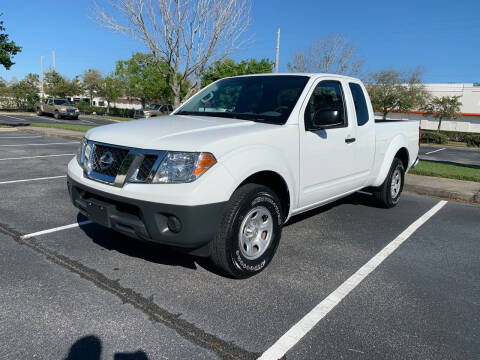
x=90 y=348
x=165 y=255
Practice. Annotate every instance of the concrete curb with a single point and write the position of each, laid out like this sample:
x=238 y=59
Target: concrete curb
x=451 y=189
x=7 y=129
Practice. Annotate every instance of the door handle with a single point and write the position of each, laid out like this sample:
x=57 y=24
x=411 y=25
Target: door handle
x=350 y=140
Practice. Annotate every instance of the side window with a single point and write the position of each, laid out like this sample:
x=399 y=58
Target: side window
x=326 y=107
x=360 y=103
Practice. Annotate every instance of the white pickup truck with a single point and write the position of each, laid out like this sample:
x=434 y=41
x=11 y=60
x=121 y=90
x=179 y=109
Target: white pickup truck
x=222 y=174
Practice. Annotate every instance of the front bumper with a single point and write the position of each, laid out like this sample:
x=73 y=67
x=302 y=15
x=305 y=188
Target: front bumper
x=190 y=227
x=68 y=114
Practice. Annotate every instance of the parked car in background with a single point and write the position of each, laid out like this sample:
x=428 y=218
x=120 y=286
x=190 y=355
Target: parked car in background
x=153 y=110
x=237 y=160
x=59 y=108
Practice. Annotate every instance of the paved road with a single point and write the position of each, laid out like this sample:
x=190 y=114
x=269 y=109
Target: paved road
x=87 y=292
x=450 y=154
x=19 y=119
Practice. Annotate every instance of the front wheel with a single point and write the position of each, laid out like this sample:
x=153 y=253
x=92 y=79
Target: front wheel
x=249 y=232
x=57 y=115
x=39 y=112
x=388 y=194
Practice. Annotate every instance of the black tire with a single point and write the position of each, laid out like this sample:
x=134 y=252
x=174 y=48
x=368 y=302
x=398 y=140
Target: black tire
x=57 y=115
x=39 y=112
x=75 y=118
x=226 y=254
x=384 y=194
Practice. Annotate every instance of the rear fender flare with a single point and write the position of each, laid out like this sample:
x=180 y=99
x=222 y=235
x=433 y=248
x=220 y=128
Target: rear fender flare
x=396 y=144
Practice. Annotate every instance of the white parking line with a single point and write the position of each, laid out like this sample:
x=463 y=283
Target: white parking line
x=62 y=143
x=34 y=157
x=300 y=329
x=434 y=151
x=19 y=137
x=34 y=179
x=28 y=236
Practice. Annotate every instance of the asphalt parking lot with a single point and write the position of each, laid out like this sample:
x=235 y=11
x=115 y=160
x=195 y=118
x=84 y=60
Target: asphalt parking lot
x=453 y=155
x=22 y=119
x=71 y=291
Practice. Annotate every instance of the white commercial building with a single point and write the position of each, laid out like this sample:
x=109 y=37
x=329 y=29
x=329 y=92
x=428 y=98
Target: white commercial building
x=469 y=121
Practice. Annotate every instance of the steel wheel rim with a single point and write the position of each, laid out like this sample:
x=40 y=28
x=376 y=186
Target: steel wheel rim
x=256 y=232
x=396 y=184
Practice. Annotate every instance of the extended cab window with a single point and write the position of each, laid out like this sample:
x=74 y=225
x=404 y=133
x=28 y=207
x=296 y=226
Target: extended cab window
x=360 y=103
x=326 y=107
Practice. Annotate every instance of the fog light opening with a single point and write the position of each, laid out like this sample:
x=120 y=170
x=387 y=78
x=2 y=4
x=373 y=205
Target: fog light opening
x=174 y=224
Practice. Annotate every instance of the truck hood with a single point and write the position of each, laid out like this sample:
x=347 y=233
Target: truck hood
x=177 y=132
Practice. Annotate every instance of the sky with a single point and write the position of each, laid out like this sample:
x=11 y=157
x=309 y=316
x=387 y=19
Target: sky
x=443 y=37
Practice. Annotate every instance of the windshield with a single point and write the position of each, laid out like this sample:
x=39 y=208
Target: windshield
x=153 y=107
x=257 y=98
x=61 y=102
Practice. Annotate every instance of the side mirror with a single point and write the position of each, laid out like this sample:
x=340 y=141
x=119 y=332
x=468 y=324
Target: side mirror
x=327 y=118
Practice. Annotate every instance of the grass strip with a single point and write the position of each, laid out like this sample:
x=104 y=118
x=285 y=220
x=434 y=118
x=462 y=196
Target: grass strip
x=72 y=127
x=447 y=170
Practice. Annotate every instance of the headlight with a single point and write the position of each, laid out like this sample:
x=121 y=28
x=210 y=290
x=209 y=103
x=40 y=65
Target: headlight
x=183 y=167
x=81 y=152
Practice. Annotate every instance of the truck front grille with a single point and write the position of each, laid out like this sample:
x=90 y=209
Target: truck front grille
x=146 y=167
x=107 y=160
x=116 y=165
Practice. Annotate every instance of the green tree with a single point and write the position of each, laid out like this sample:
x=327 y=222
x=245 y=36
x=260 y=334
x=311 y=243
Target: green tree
x=392 y=90
x=92 y=82
x=59 y=86
x=8 y=49
x=445 y=107
x=25 y=92
x=111 y=89
x=228 y=67
x=141 y=78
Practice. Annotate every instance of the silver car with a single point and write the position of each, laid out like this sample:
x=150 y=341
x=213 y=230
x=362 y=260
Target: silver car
x=153 y=110
x=59 y=108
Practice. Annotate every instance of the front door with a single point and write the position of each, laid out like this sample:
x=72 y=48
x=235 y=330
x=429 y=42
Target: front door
x=327 y=154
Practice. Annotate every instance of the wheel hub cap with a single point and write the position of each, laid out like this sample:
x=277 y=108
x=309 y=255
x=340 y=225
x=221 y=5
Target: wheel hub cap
x=396 y=183
x=255 y=233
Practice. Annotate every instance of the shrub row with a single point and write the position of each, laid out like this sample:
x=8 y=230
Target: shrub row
x=99 y=110
x=473 y=140
x=433 y=137
x=442 y=137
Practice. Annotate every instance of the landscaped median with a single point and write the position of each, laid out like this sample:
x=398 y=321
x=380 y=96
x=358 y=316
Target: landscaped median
x=72 y=127
x=444 y=180
x=447 y=170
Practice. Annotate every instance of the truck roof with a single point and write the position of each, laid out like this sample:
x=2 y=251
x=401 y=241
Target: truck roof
x=313 y=75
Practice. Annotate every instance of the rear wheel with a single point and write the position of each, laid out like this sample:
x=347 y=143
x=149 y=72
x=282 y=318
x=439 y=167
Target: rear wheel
x=75 y=117
x=388 y=194
x=249 y=232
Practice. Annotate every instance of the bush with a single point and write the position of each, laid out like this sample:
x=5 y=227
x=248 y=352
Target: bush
x=122 y=112
x=434 y=138
x=472 y=140
x=99 y=110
